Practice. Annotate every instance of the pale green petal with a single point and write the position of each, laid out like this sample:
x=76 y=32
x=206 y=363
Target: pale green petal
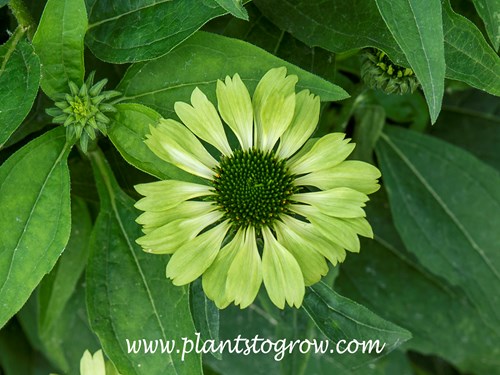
x=353 y=174
x=274 y=106
x=361 y=226
x=245 y=274
x=170 y=237
x=215 y=277
x=281 y=273
x=92 y=365
x=332 y=228
x=195 y=256
x=153 y=219
x=296 y=238
x=203 y=120
x=327 y=152
x=174 y=143
x=235 y=107
x=338 y=202
x=303 y=124
x=162 y=195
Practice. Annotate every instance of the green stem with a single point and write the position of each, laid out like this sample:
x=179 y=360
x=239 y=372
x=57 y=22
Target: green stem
x=23 y=17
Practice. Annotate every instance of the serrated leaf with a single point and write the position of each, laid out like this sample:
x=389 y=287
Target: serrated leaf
x=340 y=318
x=235 y=7
x=144 y=30
x=489 y=10
x=58 y=42
x=390 y=281
x=19 y=79
x=35 y=217
x=468 y=57
x=200 y=62
x=446 y=207
x=128 y=295
x=128 y=132
x=417 y=27
x=59 y=285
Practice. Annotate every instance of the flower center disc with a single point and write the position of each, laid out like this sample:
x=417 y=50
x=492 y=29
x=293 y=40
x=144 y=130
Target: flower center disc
x=253 y=187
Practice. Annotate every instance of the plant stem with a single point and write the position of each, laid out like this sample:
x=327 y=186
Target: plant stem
x=23 y=17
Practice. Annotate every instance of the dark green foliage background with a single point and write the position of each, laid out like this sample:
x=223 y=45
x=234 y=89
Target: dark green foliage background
x=71 y=275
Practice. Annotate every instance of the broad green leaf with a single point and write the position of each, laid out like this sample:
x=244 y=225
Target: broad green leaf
x=418 y=29
x=262 y=33
x=205 y=314
x=19 y=79
x=200 y=62
x=489 y=12
x=340 y=318
x=58 y=286
x=144 y=29
x=468 y=57
x=471 y=120
x=319 y=24
x=370 y=120
x=128 y=132
x=235 y=7
x=392 y=283
x=35 y=217
x=58 y=42
x=446 y=207
x=128 y=295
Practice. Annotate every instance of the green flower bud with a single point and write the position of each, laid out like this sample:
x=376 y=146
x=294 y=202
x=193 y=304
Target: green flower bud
x=81 y=110
x=379 y=72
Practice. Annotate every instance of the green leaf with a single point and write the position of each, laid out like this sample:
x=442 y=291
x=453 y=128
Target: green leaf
x=262 y=33
x=128 y=296
x=471 y=120
x=361 y=25
x=128 y=132
x=417 y=28
x=235 y=7
x=58 y=42
x=3 y=3
x=205 y=315
x=340 y=318
x=446 y=206
x=488 y=10
x=320 y=24
x=144 y=30
x=468 y=57
x=58 y=286
x=19 y=79
x=200 y=62
x=389 y=280
x=35 y=217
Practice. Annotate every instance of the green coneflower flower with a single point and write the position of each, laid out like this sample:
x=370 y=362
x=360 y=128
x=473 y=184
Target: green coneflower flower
x=82 y=110
x=379 y=72
x=273 y=210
